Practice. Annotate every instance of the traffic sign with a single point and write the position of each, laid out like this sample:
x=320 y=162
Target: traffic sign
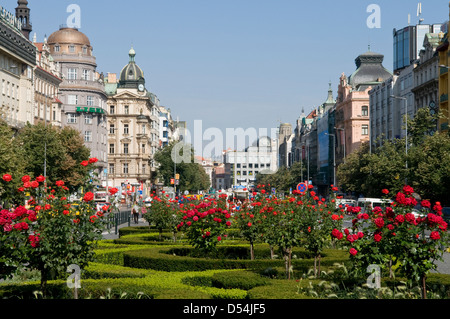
x=302 y=187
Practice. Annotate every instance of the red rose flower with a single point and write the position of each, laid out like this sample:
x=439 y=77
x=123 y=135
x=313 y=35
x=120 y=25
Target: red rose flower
x=7 y=178
x=385 y=191
x=377 y=237
x=40 y=179
x=59 y=183
x=93 y=160
x=353 y=251
x=85 y=163
x=435 y=235
x=408 y=190
x=88 y=196
x=26 y=178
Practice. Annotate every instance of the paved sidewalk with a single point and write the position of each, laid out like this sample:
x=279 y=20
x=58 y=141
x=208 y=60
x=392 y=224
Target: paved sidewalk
x=112 y=235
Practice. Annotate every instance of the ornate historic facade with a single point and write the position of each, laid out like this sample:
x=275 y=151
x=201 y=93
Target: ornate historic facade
x=82 y=91
x=133 y=130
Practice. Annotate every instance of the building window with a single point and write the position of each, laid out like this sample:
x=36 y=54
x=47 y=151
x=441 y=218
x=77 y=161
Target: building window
x=71 y=118
x=90 y=100
x=365 y=130
x=143 y=148
x=127 y=110
x=112 y=129
x=125 y=168
x=126 y=129
x=112 y=149
x=111 y=169
x=87 y=118
x=88 y=136
x=125 y=148
x=365 y=110
x=86 y=75
x=72 y=99
x=143 y=129
x=71 y=48
x=144 y=168
x=72 y=74
x=57 y=48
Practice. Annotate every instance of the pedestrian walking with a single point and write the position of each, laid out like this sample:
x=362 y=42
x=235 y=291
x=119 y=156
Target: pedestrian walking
x=135 y=212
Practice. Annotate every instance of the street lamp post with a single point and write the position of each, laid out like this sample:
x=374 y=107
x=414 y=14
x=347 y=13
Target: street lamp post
x=406 y=130
x=334 y=157
x=343 y=130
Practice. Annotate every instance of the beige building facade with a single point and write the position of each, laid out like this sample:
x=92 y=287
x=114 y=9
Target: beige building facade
x=133 y=130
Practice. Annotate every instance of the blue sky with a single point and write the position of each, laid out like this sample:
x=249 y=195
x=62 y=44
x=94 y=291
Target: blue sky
x=235 y=63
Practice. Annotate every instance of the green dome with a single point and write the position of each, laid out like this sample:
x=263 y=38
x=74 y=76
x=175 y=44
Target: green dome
x=131 y=75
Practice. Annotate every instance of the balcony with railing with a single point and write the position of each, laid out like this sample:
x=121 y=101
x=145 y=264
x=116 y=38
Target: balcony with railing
x=83 y=84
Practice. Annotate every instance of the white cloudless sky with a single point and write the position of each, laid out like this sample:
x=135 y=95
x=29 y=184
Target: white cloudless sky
x=235 y=63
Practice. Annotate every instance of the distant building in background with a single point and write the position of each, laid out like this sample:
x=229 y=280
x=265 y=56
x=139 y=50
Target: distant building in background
x=207 y=164
x=221 y=177
x=408 y=43
x=285 y=137
x=261 y=157
x=166 y=127
x=180 y=133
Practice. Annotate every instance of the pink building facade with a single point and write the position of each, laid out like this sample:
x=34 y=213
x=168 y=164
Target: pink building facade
x=352 y=119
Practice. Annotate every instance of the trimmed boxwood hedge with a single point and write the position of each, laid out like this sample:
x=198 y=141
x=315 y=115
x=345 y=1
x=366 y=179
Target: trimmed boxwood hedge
x=244 y=280
x=166 y=259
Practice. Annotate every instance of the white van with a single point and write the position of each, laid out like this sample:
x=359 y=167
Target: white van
x=372 y=203
x=344 y=202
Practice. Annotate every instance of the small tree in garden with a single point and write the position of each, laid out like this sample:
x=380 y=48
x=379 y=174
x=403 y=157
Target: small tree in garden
x=414 y=243
x=249 y=223
x=317 y=220
x=57 y=235
x=162 y=214
x=283 y=228
x=204 y=224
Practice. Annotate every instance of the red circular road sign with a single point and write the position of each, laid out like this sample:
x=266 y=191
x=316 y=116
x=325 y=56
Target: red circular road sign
x=302 y=187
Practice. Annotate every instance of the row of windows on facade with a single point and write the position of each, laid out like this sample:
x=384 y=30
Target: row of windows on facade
x=125 y=169
x=72 y=74
x=57 y=49
x=90 y=100
x=126 y=129
x=126 y=148
x=72 y=118
x=13 y=66
x=126 y=111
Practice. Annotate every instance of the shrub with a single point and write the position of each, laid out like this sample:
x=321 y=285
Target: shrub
x=244 y=280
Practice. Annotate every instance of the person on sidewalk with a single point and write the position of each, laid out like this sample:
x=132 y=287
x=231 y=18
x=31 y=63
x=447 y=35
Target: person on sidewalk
x=135 y=212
